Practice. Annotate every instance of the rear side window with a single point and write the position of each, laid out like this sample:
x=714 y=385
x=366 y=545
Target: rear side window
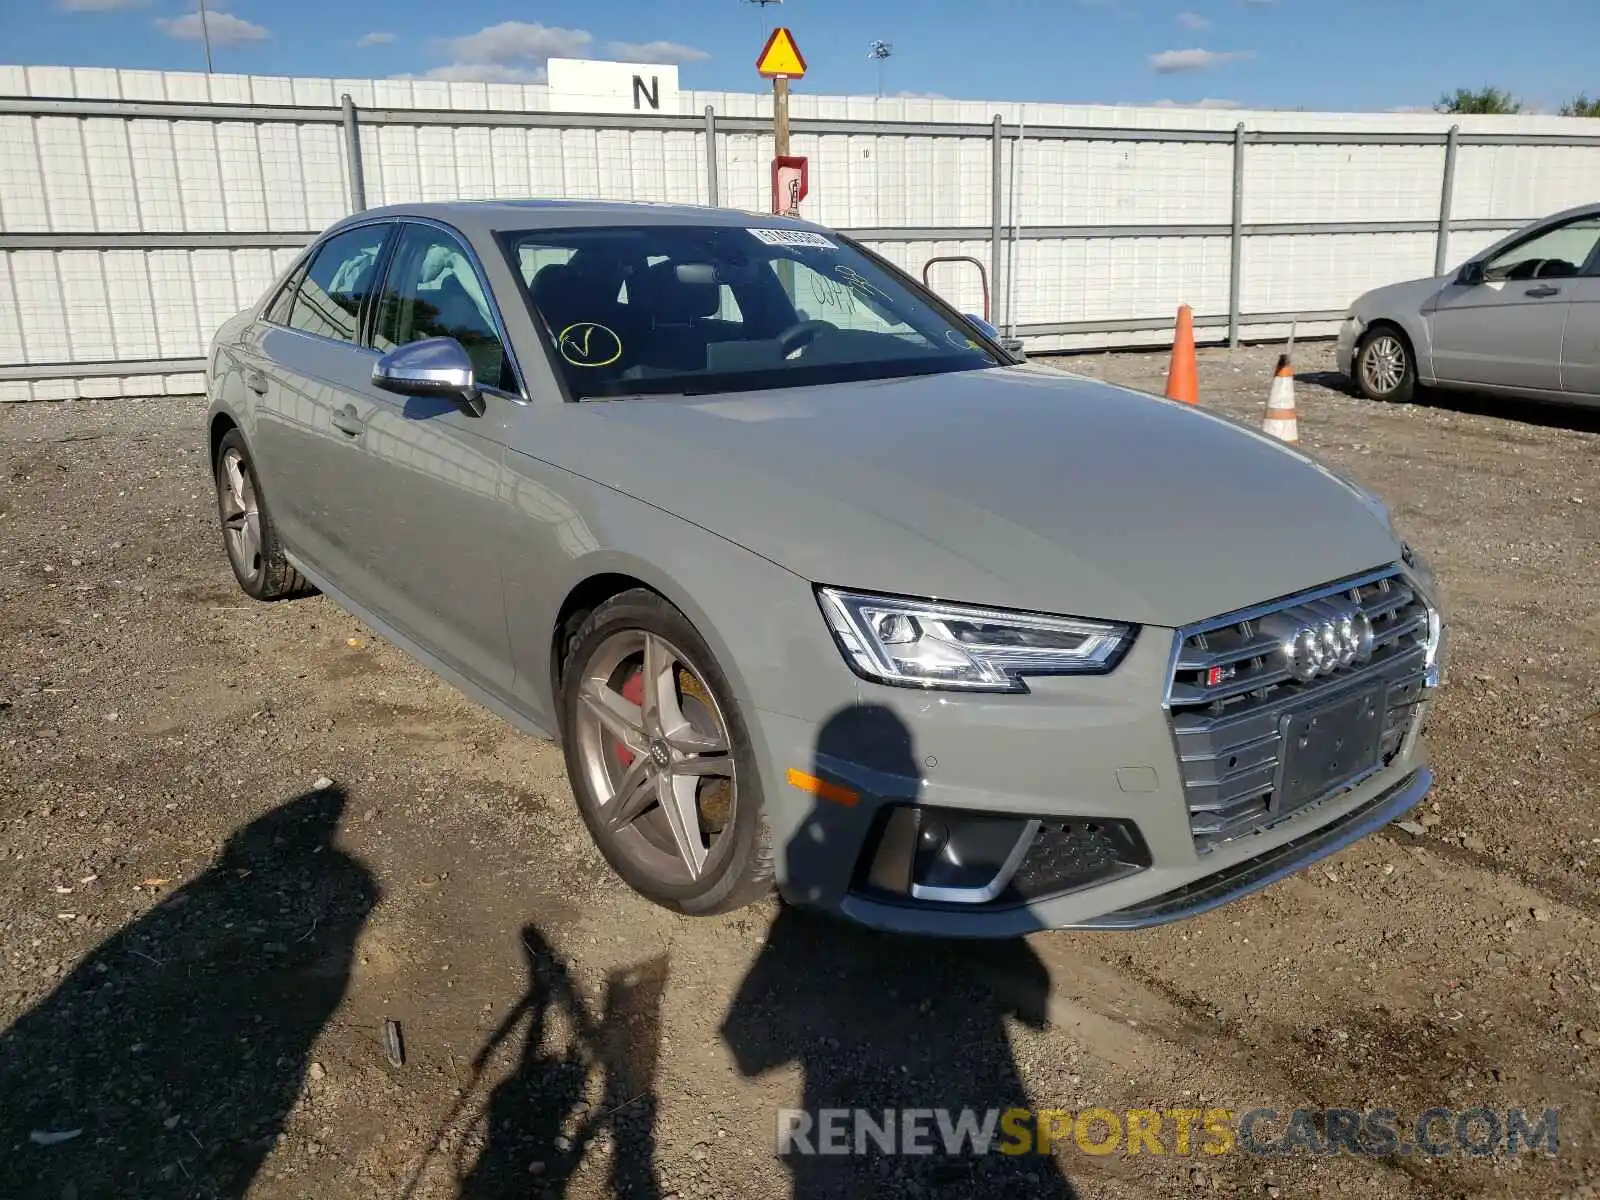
x=337 y=282
x=282 y=305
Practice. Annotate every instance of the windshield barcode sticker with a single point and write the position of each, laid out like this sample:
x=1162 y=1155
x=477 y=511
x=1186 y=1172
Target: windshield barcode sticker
x=792 y=237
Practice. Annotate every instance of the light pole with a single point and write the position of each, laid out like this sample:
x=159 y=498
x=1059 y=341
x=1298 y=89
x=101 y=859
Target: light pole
x=205 y=34
x=880 y=52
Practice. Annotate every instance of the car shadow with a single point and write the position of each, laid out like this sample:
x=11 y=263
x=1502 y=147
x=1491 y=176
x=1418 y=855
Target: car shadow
x=1547 y=413
x=167 y=1061
x=877 y=1022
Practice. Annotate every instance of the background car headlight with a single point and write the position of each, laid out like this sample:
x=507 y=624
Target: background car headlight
x=926 y=643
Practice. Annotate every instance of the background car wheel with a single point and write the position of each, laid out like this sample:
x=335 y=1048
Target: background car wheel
x=1385 y=368
x=247 y=530
x=659 y=759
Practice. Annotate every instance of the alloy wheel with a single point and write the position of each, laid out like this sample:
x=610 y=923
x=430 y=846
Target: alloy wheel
x=654 y=747
x=241 y=514
x=1383 y=365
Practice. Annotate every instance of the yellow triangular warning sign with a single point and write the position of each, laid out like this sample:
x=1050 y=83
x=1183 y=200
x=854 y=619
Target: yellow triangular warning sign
x=781 y=56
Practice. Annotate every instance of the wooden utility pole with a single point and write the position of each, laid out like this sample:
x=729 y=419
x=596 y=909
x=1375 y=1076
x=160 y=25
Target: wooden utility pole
x=780 y=116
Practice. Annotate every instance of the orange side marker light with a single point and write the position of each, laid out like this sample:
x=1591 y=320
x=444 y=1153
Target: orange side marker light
x=822 y=789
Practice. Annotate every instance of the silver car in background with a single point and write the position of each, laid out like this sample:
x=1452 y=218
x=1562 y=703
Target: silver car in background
x=1522 y=318
x=818 y=586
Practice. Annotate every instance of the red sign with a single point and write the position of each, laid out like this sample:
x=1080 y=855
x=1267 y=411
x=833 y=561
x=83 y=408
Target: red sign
x=790 y=182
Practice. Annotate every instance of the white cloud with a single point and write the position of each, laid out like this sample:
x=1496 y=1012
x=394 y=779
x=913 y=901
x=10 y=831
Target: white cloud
x=482 y=73
x=1170 y=62
x=96 y=5
x=376 y=38
x=513 y=42
x=1209 y=102
x=224 y=28
x=1194 y=21
x=517 y=51
x=654 y=52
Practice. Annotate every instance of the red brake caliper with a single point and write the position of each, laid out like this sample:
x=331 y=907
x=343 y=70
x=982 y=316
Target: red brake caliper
x=633 y=692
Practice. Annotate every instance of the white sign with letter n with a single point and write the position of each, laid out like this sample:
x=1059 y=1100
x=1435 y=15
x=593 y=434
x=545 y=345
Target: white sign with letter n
x=586 y=85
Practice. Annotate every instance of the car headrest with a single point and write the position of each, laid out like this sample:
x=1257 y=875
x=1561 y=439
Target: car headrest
x=675 y=294
x=549 y=285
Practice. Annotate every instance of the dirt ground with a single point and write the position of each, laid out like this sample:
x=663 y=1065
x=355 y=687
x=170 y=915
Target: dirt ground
x=236 y=838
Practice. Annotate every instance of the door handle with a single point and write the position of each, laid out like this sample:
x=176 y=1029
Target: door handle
x=1542 y=291
x=346 y=421
x=256 y=381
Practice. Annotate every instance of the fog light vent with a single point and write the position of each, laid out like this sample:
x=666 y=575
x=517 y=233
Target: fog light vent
x=950 y=856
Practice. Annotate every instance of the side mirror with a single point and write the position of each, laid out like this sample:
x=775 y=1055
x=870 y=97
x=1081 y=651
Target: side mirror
x=989 y=330
x=1471 y=274
x=1014 y=345
x=432 y=367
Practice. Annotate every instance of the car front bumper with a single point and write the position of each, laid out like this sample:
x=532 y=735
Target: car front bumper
x=1344 y=350
x=1074 y=754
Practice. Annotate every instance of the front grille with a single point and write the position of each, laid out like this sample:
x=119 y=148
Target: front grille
x=1234 y=697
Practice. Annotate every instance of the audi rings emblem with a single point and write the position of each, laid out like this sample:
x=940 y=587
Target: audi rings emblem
x=1320 y=638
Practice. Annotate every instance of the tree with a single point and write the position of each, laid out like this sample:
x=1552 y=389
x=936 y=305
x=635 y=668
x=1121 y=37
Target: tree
x=1484 y=100
x=1581 y=106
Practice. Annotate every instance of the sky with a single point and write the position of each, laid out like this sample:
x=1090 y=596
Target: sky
x=1354 y=55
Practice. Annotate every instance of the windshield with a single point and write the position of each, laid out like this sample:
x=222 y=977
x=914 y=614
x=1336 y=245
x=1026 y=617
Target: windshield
x=702 y=309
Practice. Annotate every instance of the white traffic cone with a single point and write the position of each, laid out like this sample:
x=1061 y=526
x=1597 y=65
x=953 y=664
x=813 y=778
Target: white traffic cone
x=1281 y=421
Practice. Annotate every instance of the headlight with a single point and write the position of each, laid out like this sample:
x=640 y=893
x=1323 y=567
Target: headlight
x=1422 y=576
x=925 y=643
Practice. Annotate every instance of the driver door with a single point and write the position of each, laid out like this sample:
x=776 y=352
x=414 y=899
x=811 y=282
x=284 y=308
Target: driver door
x=431 y=481
x=1506 y=332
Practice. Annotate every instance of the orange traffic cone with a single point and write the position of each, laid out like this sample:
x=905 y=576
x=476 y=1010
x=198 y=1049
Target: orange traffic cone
x=1281 y=421
x=1182 y=380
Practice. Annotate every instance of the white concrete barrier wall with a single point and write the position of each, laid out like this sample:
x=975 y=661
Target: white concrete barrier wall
x=239 y=180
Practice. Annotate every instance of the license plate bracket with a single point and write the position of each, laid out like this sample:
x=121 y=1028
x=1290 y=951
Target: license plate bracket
x=1326 y=745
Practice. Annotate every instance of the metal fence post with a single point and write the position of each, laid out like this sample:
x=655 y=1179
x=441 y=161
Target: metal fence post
x=712 y=197
x=996 y=318
x=1441 y=247
x=1236 y=238
x=352 y=148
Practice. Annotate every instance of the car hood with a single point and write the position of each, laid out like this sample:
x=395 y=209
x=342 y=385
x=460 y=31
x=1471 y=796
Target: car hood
x=1017 y=487
x=1394 y=299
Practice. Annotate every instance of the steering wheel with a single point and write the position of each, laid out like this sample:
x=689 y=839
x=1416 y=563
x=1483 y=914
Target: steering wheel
x=803 y=333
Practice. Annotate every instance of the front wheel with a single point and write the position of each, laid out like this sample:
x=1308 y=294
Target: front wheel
x=659 y=758
x=1384 y=367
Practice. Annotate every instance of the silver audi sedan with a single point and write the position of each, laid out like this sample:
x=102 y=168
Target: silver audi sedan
x=1522 y=318
x=819 y=586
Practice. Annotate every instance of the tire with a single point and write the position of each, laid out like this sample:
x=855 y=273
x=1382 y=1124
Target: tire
x=640 y=791
x=1385 y=368
x=248 y=534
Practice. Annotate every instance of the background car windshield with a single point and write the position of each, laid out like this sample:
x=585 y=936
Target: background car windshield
x=701 y=309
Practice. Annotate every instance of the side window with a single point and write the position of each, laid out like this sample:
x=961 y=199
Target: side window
x=1556 y=253
x=283 y=303
x=431 y=291
x=337 y=282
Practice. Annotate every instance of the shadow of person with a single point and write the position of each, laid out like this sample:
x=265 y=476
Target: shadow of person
x=178 y=1046
x=879 y=1022
x=538 y=1122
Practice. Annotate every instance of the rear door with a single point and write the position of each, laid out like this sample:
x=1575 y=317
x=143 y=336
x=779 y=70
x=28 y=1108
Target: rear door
x=310 y=359
x=429 y=483
x=1507 y=331
x=1580 y=348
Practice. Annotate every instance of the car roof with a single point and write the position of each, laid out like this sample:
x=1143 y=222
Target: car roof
x=490 y=216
